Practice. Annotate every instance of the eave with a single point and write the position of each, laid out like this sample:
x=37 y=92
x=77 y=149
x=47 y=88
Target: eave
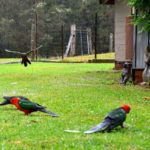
x=107 y=2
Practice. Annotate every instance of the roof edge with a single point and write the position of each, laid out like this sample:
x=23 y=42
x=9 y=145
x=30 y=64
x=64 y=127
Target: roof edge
x=107 y=2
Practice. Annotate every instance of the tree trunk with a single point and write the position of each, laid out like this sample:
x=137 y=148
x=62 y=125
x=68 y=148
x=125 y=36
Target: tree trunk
x=33 y=41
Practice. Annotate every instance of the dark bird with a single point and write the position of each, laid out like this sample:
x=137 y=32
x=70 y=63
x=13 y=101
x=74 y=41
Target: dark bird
x=25 y=105
x=24 y=56
x=115 y=118
x=126 y=73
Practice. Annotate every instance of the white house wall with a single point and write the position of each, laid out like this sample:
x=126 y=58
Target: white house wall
x=141 y=44
x=121 y=11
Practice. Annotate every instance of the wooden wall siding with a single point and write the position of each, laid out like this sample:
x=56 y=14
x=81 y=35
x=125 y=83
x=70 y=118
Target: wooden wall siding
x=129 y=38
x=121 y=11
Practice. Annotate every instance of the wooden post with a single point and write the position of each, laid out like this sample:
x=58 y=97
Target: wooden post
x=95 y=44
x=111 y=41
x=36 y=34
x=36 y=28
x=33 y=43
x=73 y=42
x=89 y=40
x=81 y=42
x=62 y=42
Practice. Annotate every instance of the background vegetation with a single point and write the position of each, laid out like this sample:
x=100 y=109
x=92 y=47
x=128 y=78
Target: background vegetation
x=17 y=16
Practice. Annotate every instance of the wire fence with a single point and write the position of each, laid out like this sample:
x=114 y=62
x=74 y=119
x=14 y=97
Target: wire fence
x=62 y=42
x=57 y=45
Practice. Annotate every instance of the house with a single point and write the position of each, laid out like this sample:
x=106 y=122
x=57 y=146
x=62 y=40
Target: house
x=129 y=42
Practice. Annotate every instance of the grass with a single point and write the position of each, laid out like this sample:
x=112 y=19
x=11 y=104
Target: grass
x=84 y=58
x=5 y=60
x=82 y=94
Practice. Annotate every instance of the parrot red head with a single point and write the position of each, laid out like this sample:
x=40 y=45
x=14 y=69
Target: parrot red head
x=14 y=100
x=126 y=108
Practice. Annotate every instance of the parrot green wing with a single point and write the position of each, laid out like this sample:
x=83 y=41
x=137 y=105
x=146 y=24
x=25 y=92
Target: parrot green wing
x=118 y=116
x=118 y=113
x=29 y=105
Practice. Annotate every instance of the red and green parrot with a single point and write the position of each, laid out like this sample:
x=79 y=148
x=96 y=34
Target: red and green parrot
x=114 y=119
x=25 y=105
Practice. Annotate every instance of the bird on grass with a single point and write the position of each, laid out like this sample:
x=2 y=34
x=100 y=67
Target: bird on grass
x=25 y=105
x=126 y=73
x=24 y=56
x=114 y=119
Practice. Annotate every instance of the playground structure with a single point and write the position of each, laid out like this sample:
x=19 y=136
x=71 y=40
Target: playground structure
x=80 y=41
x=77 y=41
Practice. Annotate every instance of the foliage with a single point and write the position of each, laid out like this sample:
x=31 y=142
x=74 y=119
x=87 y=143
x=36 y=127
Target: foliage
x=143 y=17
x=82 y=94
x=17 y=16
x=15 y=24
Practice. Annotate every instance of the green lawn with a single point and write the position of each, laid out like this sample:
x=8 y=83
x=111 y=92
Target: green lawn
x=82 y=58
x=82 y=94
x=85 y=58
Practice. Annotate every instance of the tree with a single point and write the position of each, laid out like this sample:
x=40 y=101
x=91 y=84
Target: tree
x=15 y=28
x=17 y=17
x=142 y=19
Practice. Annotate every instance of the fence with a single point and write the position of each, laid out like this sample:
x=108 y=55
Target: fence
x=56 y=42
x=64 y=44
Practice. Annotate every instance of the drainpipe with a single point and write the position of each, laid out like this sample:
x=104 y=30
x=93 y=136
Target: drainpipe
x=135 y=42
x=148 y=31
x=134 y=48
x=148 y=37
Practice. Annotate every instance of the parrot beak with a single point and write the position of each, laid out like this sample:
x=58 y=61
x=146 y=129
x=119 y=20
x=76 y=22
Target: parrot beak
x=5 y=102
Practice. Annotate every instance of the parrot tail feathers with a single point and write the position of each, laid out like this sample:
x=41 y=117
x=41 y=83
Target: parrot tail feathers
x=49 y=112
x=101 y=127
